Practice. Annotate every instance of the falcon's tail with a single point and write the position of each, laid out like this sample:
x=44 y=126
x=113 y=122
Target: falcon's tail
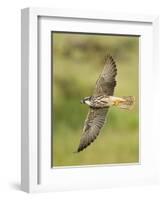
x=127 y=103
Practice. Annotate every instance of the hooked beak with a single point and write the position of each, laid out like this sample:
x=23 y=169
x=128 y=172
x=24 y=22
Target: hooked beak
x=81 y=101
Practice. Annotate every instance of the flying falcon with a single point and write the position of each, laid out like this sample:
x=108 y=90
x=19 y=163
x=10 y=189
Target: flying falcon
x=100 y=102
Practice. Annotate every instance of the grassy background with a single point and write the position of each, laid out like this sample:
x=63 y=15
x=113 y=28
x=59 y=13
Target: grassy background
x=79 y=60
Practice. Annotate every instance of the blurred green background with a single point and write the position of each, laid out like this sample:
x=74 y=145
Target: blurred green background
x=78 y=59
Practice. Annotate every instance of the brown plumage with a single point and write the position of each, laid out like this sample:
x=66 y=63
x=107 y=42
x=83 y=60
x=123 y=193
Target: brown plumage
x=96 y=116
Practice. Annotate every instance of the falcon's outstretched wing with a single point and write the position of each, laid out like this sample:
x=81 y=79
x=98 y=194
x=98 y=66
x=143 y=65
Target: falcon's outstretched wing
x=106 y=83
x=96 y=116
x=93 y=123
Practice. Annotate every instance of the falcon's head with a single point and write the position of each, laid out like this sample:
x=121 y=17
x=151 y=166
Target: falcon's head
x=86 y=100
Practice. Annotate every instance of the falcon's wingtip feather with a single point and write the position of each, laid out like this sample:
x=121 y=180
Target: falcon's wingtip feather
x=108 y=57
x=84 y=146
x=81 y=148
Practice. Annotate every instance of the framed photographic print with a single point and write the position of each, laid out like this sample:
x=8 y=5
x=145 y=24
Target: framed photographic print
x=88 y=119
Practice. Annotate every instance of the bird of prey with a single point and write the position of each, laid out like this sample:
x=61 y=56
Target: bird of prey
x=99 y=103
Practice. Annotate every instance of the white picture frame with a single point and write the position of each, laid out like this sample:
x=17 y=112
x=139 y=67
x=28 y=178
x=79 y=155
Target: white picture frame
x=36 y=171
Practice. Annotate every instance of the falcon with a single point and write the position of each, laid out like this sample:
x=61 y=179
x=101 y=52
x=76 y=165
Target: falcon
x=100 y=102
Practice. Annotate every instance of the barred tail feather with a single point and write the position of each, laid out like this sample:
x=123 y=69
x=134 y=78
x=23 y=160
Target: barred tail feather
x=128 y=103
